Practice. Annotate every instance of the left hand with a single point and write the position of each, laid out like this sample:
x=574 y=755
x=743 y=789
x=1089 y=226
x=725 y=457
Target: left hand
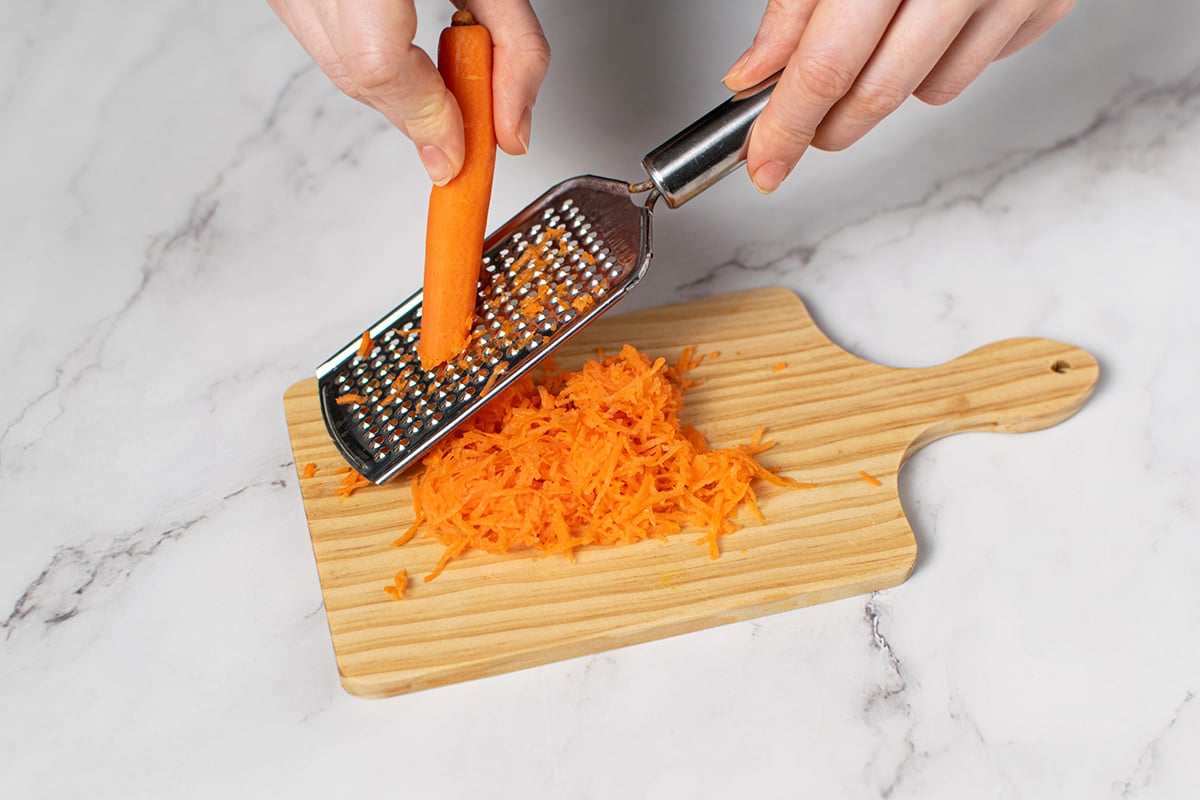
x=847 y=64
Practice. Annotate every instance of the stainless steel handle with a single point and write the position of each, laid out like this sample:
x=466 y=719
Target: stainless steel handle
x=708 y=149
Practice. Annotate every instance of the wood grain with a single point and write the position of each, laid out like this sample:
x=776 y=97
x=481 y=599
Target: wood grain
x=832 y=415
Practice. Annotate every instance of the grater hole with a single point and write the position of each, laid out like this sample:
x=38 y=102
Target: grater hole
x=535 y=283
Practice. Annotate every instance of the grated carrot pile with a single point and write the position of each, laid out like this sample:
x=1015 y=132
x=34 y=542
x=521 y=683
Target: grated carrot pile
x=597 y=456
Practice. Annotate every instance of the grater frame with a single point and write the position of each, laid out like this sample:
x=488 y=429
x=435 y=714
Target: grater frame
x=381 y=439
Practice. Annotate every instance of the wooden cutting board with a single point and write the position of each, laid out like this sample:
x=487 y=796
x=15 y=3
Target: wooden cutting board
x=832 y=415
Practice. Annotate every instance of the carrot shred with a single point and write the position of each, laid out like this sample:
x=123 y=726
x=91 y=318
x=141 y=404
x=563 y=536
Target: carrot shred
x=350 y=483
x=687 y=362
x=407 y=536
x=310 y=469
x=364 y=346
x=869 y=478
x=779 y=366
x=347 y=399
x=399 y=586
x=593 y=457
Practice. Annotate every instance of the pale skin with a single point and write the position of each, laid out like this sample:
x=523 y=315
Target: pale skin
x=847 y=64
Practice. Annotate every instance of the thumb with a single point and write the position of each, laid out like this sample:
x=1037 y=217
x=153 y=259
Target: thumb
x=401 y=81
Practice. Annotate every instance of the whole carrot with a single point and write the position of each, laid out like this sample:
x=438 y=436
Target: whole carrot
x=458 y=211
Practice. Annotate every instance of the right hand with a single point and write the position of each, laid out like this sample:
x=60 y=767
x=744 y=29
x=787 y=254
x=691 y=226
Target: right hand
x=366 y=48
x=847 y=64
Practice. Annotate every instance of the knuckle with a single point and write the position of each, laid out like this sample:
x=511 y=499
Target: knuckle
x=833 y=141
x=536 y=50
x=938 y=94
x=823 y=78
x=340 y=77
x=372 y=70
x=781 y=139
x=425 y=115
x=874 y=99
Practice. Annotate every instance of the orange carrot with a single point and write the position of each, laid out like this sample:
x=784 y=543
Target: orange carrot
x=458 y=211
x=310 y=469
x=365 y=345
x=869 y=478
x=347 y=399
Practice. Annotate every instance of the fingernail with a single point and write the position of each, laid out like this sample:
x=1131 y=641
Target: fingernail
x=524 y=127
x=437 y=164
x=768 y=177
x=736 y=69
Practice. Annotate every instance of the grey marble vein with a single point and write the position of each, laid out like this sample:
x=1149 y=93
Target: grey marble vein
x=1146 y=772
x=973 y=187
x=90 y=351
x=191 y=194
x=76 y=572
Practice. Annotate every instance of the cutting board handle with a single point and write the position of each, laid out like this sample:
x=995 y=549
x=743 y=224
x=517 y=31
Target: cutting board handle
x=1012 y=386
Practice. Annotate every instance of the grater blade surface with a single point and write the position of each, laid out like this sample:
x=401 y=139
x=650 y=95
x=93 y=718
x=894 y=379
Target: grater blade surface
x=561 y=262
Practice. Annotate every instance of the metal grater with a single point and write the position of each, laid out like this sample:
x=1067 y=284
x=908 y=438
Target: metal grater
x=590 y=245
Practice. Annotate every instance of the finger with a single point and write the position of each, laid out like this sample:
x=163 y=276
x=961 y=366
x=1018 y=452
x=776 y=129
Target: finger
x=401 y=80
x=280 y=7
x=522 y=56
x=977 y=46
x=915 y=41
x=303 y=21
x=838 y=40
x=1037 y=25
x=778 y=35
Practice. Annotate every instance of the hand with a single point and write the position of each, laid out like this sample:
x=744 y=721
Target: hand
x=366 y=48
x=847 y=64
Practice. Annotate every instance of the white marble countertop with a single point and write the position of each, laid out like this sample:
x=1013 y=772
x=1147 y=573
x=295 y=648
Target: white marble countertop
x=192 y=218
